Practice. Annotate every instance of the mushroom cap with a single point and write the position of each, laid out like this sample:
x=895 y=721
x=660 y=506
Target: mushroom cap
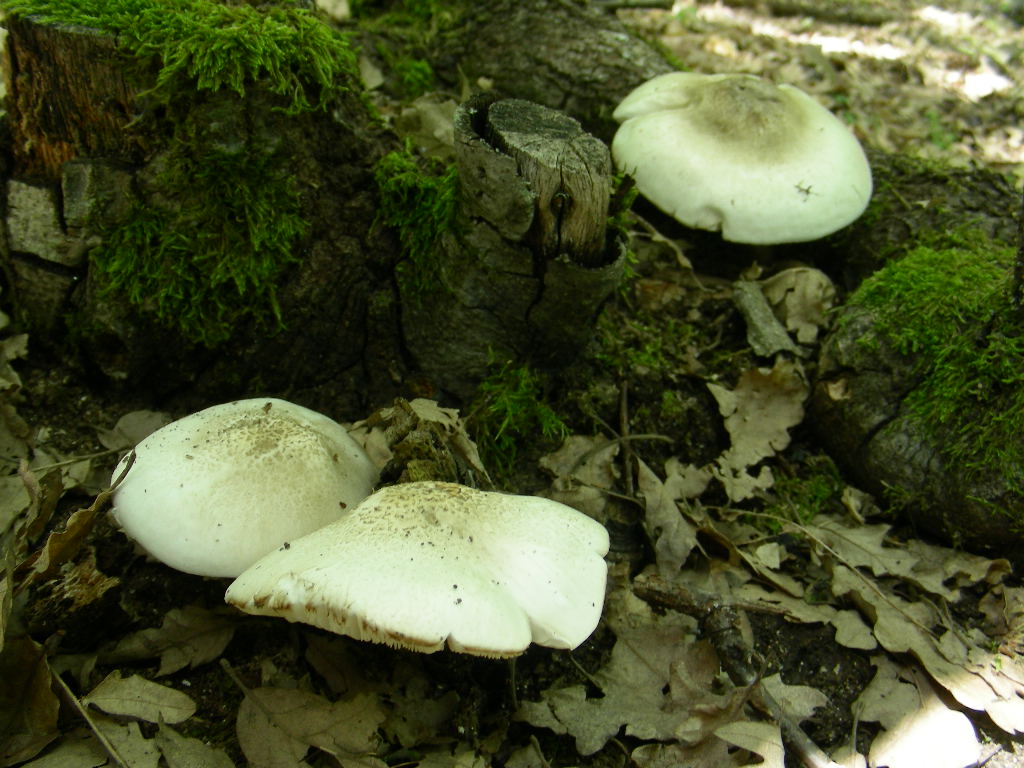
x=424 y=564
x=765 y=164
x=213 y=492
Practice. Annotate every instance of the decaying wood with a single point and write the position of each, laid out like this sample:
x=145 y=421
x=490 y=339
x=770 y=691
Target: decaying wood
x=75 y=127
x=864 y=12
x=514 y=295
x=566 y=170
x=526 y=268
x=70 y=96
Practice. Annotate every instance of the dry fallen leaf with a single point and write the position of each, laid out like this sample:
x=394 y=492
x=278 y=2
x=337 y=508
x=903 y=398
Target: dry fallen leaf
x=28 y=707
x=188 y=637
x=652 y=655
x=137 y=697
x=584 y=470
x=76 y=749
x=763 y=739
x=852 y=632
x=797 y=701
x=14 y=500
x=758 y=414
x=418 y=712
x=185 y=752
x=277 y=726
x=979 y=678
x=131 y=748
x=132 y=428
x=672 y=534
x=801 y=298
x=925 y=732
x=710 y=753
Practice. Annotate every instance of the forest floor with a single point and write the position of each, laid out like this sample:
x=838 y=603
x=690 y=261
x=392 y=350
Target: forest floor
x=938 y=82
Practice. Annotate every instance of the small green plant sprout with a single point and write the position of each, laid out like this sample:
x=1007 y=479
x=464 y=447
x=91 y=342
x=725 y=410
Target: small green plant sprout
x=799 y=498
x=418 y=199
x=509 y=410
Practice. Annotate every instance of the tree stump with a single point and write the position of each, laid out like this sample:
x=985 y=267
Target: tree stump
x=528 y=265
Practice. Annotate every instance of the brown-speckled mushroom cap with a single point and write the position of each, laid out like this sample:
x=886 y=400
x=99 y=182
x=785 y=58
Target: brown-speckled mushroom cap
x=764 y=164
x=428 y=564
x=213 y=492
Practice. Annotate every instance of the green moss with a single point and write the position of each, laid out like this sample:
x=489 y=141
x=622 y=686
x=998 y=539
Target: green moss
x=671 y=407
x=643 y=343
x=415 y=76
x=947 y=306
x=509 y=412
x=410 y=34
x=624 y=194
x=419 y=200
x=203 y=45
x=216 y=256
x=211 y=249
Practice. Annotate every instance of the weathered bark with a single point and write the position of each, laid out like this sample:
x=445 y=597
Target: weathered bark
x=559 y=53
x=526 y=268
x=858 y=411
x=69 y=96
x=857 y=408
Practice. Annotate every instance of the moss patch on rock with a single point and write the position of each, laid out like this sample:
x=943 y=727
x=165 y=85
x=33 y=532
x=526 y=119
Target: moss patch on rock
x=947 y=306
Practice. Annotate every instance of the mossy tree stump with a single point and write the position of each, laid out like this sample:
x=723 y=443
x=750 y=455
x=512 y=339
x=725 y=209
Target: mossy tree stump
x=197 y=222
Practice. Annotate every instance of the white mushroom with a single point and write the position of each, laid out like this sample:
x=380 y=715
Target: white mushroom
x=425 y=564
x=765 y=164
x=213 y=492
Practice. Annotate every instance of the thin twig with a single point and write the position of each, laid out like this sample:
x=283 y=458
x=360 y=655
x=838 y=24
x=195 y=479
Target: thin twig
x=76 y=459
x=810 y=754
x=627 y=448
x=720 y=623
x=69 y=697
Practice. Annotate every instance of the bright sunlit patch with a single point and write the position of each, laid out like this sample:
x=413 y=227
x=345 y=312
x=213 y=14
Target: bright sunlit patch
x=973 y=84
x=828 y=43
x=952 y=22
x=840 y=44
